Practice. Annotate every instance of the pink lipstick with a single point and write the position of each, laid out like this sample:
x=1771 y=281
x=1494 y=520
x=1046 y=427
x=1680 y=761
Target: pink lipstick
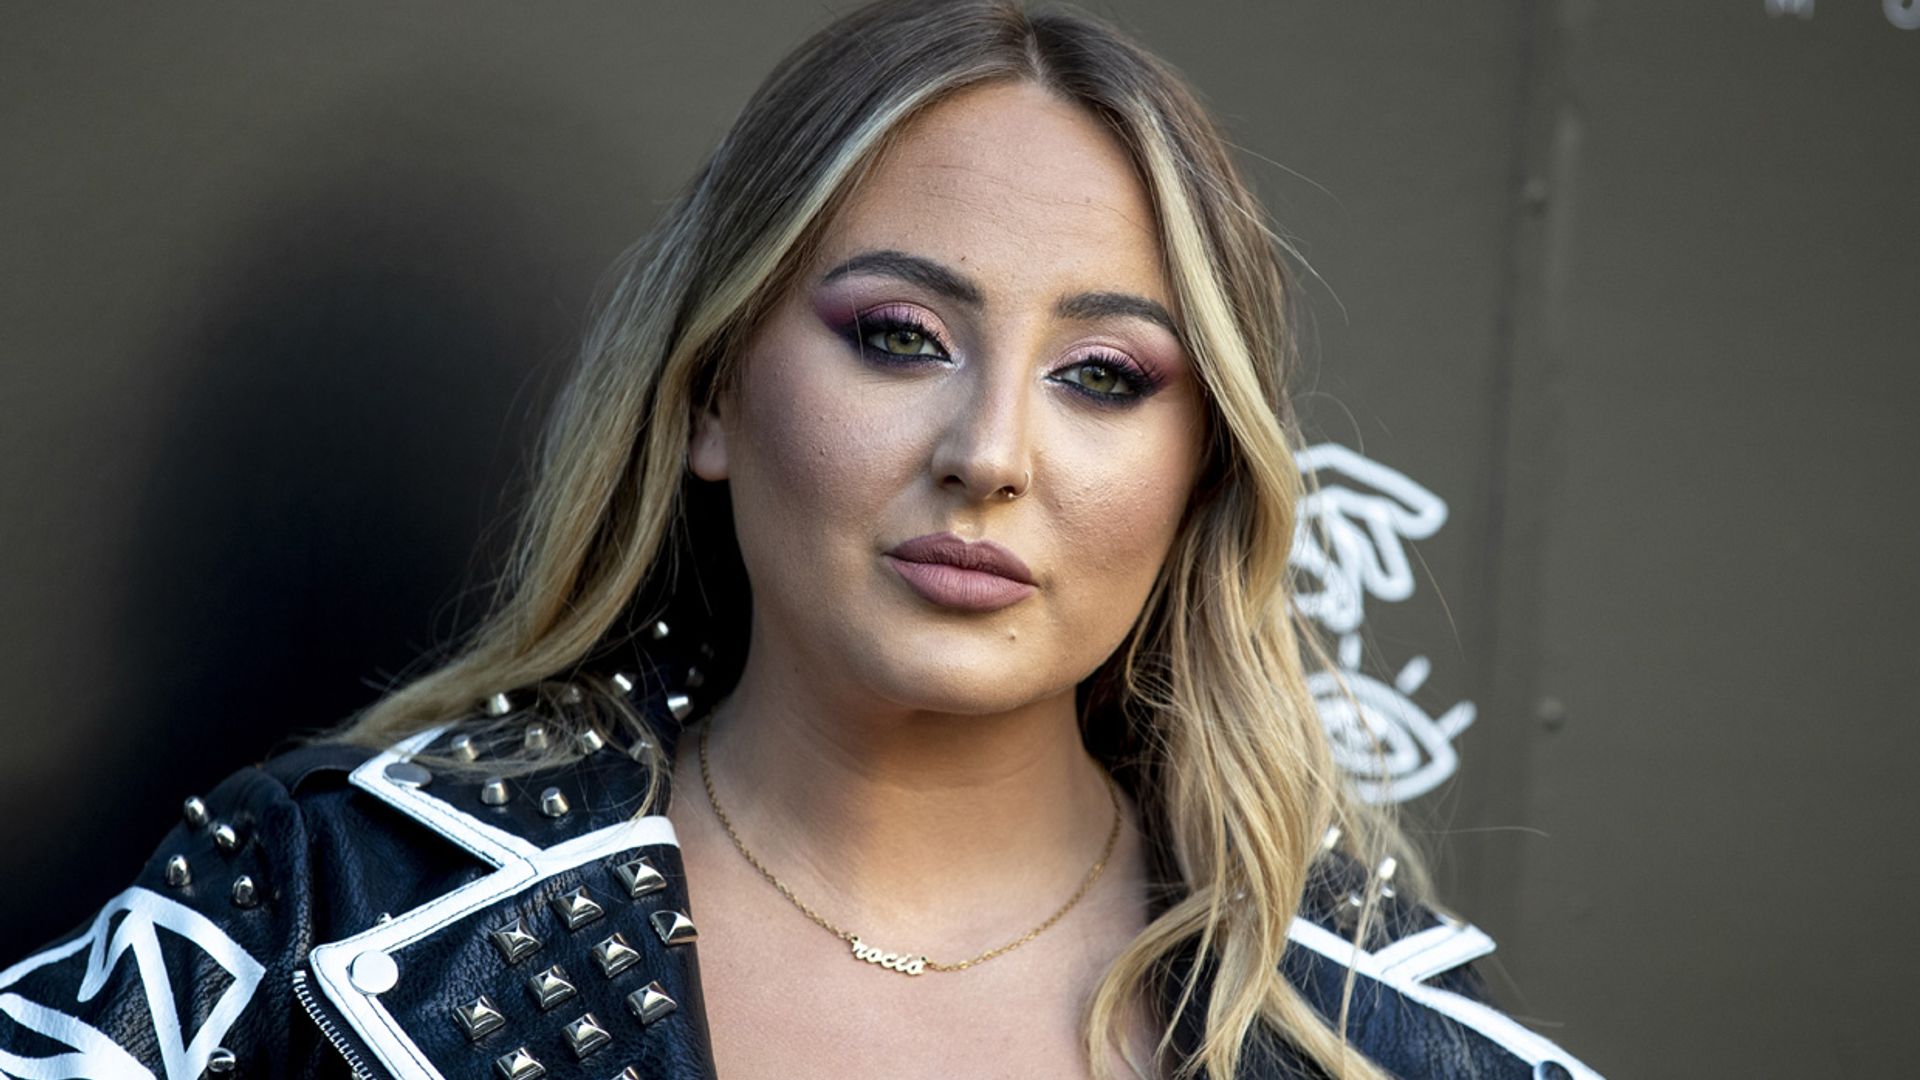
x=953 y=573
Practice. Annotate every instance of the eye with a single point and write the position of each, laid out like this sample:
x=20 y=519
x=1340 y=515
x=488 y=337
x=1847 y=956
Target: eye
x=903 y=341
x=1105 y=378
x=891 y=334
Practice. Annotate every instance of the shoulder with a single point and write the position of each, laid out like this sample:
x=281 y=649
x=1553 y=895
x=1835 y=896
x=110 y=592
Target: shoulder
x=1417 y=1005
x=345 y=905
x=167 y=974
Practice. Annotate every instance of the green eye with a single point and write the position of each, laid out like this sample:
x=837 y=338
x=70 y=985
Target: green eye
x=1100 y=379
x=902 y=341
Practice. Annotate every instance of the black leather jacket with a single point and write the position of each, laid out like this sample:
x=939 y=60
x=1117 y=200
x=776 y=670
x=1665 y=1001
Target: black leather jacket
x=336 y=912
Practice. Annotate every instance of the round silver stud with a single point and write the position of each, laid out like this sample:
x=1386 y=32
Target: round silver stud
x=661 y=630
x=221 y=1061
x=571 y=694
x=623 y=681
x=224 y=837
x=179 y=875
x=696 y=678
x=536 y=737
x=244 y=894
x=553 y=803
x=499 y=705
x=373 y=972
x=494 y=791
x=409 y=774
x=195 y=811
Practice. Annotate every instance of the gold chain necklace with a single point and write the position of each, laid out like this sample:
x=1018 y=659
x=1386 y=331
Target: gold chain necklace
x=908 y=963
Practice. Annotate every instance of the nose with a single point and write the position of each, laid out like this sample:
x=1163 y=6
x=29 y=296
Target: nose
x=985 y=451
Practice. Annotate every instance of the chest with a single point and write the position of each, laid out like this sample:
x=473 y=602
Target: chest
x=794 y=1009
x=786 y=998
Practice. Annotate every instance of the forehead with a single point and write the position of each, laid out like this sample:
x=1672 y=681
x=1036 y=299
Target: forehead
x=1019 y=188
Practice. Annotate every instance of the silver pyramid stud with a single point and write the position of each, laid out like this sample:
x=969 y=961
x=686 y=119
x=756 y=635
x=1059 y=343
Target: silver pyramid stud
x=464 y=748
x=628 y=1073
x=680 y=705
x=591 y=742
x=585 y=1035
x=640 y=749
x=494 y=791
x=479 y=1018
x=571 y=694
x=536 y=737
x=221 y=1061
x=195 y=811
x=639 y=877
x=577 y=907
x=179 y=874
x=650 y=1003
x=1332 y=839
x=553 y=803
x=518 y=1064
x=1385 y=873
x=661 y=630
x=623 y=681
x=614 y=956
x=673 y=927
x=696 y=678
x=514 y=942
x=224 y=837
x=550 y=987
x=408 y=774
x=244 y=894
x=499 y=705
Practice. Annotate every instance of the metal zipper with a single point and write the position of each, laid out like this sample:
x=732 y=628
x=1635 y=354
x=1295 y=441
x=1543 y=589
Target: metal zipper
x=328 y=1028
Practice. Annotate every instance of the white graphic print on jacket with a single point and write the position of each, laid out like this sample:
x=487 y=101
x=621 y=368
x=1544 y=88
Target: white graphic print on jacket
x=142 y=916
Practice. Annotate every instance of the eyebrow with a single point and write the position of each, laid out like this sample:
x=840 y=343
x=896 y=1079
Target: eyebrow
x=930 y=275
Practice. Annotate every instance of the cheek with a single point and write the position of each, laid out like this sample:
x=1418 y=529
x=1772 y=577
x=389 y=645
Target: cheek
x=1118 y=511
x=806 y=448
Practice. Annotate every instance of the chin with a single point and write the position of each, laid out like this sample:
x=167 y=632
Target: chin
x=967 y=673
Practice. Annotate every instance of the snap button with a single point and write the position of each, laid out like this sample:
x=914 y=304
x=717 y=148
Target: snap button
x=373 y=972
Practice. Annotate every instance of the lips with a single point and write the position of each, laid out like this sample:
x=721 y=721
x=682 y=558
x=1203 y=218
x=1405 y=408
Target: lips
x=965 y=576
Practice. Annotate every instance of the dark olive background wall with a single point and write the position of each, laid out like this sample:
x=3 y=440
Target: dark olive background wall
x=1632 y=286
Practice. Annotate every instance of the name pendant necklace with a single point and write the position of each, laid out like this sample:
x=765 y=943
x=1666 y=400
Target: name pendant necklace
x=907 y=963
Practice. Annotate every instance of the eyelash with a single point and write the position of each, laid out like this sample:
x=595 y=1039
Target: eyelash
x=1140 y=384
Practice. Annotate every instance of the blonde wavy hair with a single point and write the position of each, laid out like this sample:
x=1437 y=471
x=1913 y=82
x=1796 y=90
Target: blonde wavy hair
x=1205 y=708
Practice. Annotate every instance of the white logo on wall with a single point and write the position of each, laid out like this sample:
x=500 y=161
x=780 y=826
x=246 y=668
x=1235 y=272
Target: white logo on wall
x=1904 y=14
x=1351 y=539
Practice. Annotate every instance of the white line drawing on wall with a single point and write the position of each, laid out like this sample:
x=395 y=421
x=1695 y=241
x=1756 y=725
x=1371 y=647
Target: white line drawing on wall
x=1349 y=543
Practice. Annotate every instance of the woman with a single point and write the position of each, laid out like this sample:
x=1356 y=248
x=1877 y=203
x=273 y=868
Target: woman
x=904 y=592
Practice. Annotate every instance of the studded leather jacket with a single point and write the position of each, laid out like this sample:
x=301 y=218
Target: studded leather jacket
x=337 y=912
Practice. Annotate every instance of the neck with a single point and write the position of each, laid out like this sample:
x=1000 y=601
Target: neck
x=944 y=831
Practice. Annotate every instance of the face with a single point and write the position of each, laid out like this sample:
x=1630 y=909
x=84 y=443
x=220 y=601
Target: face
x=960 y=448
